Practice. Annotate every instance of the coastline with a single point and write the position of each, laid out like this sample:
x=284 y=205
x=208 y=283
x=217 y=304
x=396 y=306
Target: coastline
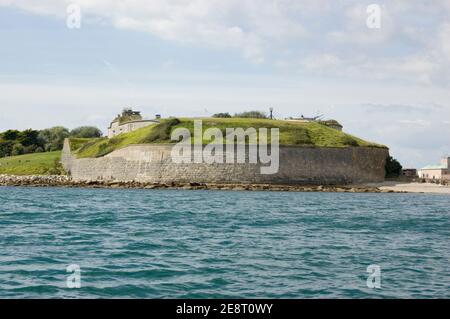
x=66 y=181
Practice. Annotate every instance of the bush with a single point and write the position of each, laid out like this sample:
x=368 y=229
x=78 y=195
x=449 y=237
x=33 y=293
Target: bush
x=29 y=137
x=86 y=132
x=252 y=114
x=17 y=149
x=222 y=115
x=6 y=148
x=393 y=167
x=10 y=135
x=53 y=138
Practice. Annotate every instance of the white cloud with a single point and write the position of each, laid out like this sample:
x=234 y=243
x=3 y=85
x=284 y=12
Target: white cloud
x=412 y=44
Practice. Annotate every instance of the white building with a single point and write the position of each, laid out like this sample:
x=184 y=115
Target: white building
x=436 y=172
x=128 y=121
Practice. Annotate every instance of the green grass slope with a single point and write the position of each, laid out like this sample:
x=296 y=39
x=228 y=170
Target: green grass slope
x=310 y=134
x=32 y=164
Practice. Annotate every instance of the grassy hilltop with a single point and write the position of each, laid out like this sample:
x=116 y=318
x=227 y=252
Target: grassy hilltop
x=310 y=134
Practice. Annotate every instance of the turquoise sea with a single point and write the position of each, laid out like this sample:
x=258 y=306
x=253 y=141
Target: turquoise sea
x=220 y=244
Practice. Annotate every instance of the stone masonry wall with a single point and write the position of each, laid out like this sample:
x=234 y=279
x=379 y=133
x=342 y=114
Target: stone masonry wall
x=298 y=165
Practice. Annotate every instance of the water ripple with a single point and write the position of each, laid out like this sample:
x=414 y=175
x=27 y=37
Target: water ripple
x=212 y=244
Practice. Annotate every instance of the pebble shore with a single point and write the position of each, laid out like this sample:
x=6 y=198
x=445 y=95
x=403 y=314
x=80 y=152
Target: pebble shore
x=66 y=181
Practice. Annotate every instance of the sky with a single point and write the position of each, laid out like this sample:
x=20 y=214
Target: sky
x=390 y=85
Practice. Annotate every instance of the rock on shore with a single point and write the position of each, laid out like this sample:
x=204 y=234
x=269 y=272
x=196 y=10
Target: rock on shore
x=34 y=180
x=66 y=181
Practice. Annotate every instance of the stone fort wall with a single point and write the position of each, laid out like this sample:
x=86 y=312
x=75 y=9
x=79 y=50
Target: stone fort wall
x=152 y=163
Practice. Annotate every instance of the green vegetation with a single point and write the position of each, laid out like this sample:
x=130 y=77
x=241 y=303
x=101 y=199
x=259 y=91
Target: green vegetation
x=247 y=115
x=161 y=132
x=252 y=115
x=32 y=164
x=101 y=146
x=14 y=142
x=222 y=115
x=53 y=138
x=393 y=167
x=310 y=134
x=86 y=132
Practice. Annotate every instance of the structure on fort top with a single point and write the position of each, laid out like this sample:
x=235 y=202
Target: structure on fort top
x=437 y=172
x=128 y=121
x=330 y=123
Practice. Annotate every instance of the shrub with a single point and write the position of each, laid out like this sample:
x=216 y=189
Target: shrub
x=6 y=148
x=86 y=132
x=53 y=138
x=222 y=115
x=17 y=149
x=10 y=135
x=29 y=137
x=252 y=114
x=393 y=167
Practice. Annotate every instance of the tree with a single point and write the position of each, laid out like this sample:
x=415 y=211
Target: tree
x=29 y=137
x=86 y=132
x=6 y=148
x=222 y=115
x=10 y=135
x=17 y=149
x=252 y=114
x=393 y=167
x=53 y=138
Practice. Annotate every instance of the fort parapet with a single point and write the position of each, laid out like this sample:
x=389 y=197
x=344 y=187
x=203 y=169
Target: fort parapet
x=152 y=163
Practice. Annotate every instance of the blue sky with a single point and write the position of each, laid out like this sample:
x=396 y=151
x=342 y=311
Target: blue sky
x=195 y=58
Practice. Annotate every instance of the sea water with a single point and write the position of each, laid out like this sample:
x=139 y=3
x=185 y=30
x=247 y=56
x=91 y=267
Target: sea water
x=222 y=244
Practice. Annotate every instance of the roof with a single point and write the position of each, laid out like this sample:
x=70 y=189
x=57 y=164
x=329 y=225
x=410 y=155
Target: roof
x=434 y=167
